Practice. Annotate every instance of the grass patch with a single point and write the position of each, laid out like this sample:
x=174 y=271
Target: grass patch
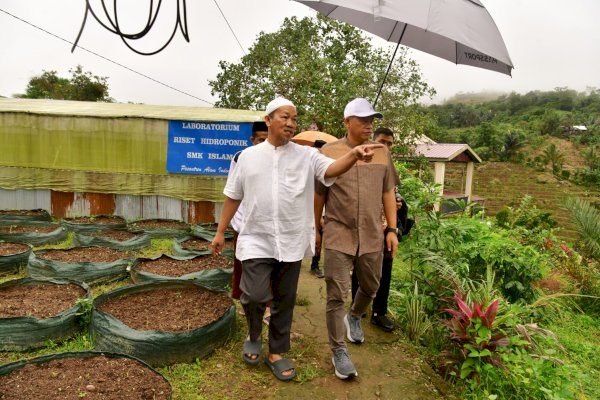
x=302 y=301
x=107 y=287
x=65 y=244
x=580 y=336
x=21 y=274
x=157 y=248
x=80 y=342
x=224 y=376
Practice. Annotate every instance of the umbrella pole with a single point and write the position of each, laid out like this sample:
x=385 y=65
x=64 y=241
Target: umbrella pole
x=389 y=66
x=385 y=76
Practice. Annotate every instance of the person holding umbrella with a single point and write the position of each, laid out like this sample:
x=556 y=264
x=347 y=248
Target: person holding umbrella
x=352 y=231
x=276 y=181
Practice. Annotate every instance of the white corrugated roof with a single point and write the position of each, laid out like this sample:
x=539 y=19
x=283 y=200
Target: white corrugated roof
x=580 y=127
x=120 y=110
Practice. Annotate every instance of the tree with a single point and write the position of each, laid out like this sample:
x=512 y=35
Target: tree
x=554 y=156
x=550 y=123
x=320 y=64
x=488 y=140
x=513 y=141
x=82 y=86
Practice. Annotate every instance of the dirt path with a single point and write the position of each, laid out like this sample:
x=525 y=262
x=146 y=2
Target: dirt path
x=387 y=368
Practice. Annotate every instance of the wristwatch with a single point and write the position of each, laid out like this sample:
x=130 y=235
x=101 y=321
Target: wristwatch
x=388 y=230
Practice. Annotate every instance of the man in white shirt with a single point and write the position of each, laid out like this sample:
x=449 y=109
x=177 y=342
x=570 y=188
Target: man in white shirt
x=259 y=135
x=276 y=181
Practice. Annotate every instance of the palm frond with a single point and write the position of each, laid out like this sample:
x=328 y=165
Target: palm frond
x=434 y=260
x=587 y=220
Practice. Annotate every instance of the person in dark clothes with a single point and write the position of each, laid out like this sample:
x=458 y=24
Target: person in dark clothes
x=379 y=316
x=314 y=264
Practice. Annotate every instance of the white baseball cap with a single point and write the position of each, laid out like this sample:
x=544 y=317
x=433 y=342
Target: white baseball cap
x=276 y=103
x=360 y=107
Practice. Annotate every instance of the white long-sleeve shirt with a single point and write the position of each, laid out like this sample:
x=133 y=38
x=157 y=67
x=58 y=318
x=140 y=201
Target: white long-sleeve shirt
x=276 y=185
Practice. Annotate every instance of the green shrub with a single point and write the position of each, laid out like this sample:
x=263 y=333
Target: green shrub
x=504 y=217
x=497 y=358
x=587 y=176
x=469 y=246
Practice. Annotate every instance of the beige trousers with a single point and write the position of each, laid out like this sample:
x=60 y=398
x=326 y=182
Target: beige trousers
x=338 y=267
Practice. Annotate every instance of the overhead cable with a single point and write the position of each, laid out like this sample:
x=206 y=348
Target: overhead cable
x=230 y=28
x=181 y=22
x=107 y=59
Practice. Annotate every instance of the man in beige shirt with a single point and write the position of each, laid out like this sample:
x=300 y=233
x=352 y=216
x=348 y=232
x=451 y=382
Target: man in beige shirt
x=352 y=231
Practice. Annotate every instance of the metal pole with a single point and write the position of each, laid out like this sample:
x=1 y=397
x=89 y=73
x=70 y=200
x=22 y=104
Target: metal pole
x=389 y=67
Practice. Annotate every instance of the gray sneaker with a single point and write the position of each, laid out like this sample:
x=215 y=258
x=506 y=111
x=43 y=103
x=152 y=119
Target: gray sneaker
x=342 y=363
x=354 y=329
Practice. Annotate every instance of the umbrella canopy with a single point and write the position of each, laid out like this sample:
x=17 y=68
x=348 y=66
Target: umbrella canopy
x=308 y=138
x=461 y=31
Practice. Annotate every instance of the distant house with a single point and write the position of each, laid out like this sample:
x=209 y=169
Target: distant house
x=574 y=129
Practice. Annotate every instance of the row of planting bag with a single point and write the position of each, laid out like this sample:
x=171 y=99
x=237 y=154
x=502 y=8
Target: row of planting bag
x=156 y=347
x=111 y=336
x=38 y=229
x=212 y=272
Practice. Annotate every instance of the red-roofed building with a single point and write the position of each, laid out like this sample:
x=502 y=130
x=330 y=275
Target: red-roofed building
x=440 y=154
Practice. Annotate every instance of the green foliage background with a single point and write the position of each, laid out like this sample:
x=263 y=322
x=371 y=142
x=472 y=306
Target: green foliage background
x=82 y=86
x=321 y=64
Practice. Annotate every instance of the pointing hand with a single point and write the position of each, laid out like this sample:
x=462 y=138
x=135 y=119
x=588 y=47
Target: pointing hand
x=365 y=152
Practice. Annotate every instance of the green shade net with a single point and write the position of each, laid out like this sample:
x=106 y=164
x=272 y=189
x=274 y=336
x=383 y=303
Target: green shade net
x=101 y=148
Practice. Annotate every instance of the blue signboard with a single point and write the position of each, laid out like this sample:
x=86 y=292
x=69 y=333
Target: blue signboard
x=205 y=148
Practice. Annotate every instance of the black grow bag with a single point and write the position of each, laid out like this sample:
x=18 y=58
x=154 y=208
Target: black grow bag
x=157 y=348
x=27 y=332
x=136 y=243
x=216 y=278
x=14 y=366
x=178 y=250
x=208 y=231
x=92 y=273
x=18 y=216
x=58 y=235
x=160 y=233
x=11 y=263
x=72 y=225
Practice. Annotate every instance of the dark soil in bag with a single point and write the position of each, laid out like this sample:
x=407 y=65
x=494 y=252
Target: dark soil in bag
x=166 y=266
x=168 y=310
x=97 y=377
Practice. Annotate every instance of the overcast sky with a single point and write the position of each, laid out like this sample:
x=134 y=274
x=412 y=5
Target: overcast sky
x=552 y=43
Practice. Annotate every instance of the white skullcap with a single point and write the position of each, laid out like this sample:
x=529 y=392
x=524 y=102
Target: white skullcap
x=278 y=102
